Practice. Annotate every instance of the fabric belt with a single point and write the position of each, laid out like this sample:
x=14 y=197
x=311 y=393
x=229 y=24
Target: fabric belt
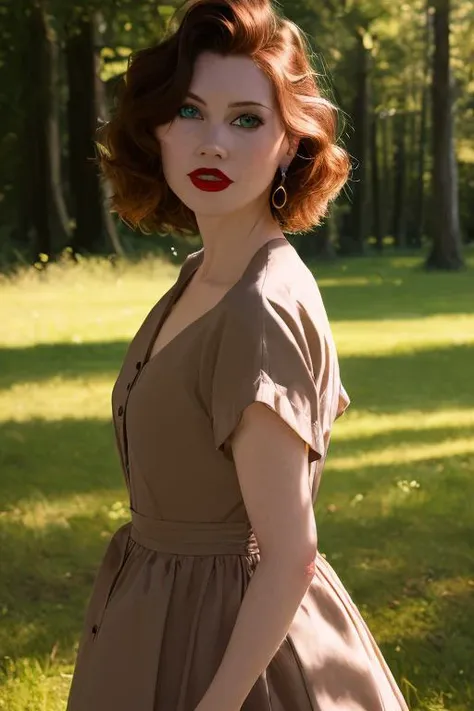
x=193 y=537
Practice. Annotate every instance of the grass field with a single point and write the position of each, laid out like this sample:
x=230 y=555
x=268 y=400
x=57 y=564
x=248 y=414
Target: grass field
x=396 y=507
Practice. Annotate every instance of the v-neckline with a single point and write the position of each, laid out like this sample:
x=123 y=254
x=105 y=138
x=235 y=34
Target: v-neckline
x=178 y=290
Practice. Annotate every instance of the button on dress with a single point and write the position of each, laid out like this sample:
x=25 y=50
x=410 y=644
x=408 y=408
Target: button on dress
x=172 y=579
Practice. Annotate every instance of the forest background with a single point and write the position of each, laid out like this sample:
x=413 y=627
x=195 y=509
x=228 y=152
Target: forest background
x=394 y=261
x=402 y=74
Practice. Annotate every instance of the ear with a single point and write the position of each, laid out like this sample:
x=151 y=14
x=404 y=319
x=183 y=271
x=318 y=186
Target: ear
x=293 y=145
x=294 y=142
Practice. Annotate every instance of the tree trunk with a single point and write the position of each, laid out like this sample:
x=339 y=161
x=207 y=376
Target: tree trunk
x=82 y=120
x=36 y=172
x=352 y=240
x=446 y=250
x=377 y=216
x=386 y=200
x=59 y=210
x=323 y=245
x=106 y=188
x=411 y=172
x=419 y=200
x=399 y=198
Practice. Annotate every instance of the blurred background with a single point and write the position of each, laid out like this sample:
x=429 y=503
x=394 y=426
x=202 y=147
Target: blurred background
x=394 y=261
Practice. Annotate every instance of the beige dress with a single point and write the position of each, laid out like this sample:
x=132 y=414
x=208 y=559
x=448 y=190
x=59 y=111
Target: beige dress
x=172 y=579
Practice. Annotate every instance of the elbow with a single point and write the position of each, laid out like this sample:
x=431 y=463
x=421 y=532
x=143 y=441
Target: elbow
x=305 y=557
x=308 y=560
x=305 y=553
x=296 y=561
x=302 y=566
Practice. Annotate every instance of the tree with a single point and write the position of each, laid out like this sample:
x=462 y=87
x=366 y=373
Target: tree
x=82 y=124
x=446 y=252
x=419 y=187
x=36 y=175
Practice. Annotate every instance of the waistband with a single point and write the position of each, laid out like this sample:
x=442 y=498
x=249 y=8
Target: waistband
x=193 y=537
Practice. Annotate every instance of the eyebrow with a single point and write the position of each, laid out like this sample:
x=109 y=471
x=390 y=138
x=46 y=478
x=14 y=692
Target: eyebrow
x=236 y=103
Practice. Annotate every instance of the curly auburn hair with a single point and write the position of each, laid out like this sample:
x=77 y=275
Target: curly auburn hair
x=156 y=84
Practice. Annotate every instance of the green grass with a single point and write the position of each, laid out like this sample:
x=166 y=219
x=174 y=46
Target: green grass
x=395 y=511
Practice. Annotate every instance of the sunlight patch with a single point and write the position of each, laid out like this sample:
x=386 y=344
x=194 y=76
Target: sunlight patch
x=56 y=399
x=41 y=513
x=404 y=455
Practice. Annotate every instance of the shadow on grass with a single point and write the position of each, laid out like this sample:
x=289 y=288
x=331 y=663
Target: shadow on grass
x=391 y=289
x=382 y=558
x=34 y=364
x=415 y=578
x=44 y=460
x=374 y=302
x=47 y=578
x=424 y=379
x=403 y=438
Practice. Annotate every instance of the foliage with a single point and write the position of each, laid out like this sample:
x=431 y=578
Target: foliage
x=394 y=38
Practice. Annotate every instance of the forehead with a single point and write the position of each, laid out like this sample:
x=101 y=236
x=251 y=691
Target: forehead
x=226 y=79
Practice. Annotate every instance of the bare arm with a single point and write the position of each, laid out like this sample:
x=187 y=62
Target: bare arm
x=272 y=468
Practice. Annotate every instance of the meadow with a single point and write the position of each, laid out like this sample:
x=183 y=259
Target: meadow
x=395 y=511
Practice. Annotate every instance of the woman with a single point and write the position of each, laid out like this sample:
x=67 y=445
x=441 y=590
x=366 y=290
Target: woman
x=214 y=597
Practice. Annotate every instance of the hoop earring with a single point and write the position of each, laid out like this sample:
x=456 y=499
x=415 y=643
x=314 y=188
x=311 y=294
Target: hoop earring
x=281 y=187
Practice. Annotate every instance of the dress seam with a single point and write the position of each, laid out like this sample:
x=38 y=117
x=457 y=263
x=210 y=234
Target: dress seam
x=348 y=605
x=113 y=585
x=293 y=404
x=300 y=668
x=264 y=350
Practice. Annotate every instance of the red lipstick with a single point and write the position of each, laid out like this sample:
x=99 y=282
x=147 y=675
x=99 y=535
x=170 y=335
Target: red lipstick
x=215 y=182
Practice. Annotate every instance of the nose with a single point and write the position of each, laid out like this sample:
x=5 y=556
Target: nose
x=212 y=145
x=212 y=149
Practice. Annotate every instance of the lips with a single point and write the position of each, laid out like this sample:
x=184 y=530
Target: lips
x=220 y=180
x=210 y=171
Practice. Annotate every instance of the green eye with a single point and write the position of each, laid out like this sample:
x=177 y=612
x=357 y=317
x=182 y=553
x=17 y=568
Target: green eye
x=250 y=117
x=184 y=108
x=249 y=121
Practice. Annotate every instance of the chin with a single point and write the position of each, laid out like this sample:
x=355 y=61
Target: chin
x=210 y=204
x=201 y=211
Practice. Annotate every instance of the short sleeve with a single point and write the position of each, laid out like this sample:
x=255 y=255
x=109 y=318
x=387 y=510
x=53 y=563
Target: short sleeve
x=343 y=402
x=270 y=355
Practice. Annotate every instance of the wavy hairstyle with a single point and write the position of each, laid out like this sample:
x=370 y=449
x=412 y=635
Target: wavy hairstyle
x=156 y=84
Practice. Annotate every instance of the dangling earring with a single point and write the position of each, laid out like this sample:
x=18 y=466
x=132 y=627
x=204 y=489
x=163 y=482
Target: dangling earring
x=281 y=187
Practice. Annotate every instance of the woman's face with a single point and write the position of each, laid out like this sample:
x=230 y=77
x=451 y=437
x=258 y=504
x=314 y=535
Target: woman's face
x=247 y=142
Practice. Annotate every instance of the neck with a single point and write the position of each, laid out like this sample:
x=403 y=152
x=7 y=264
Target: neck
x=230 y=242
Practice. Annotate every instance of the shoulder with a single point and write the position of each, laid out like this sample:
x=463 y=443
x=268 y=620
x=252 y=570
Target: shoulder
x=291 y=291
x=280 y=278
x=279 y=300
